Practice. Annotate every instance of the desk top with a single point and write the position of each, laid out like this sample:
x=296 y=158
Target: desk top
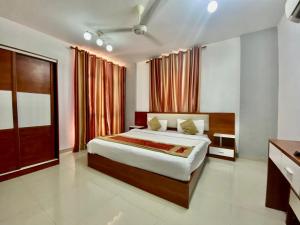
x=288 y=148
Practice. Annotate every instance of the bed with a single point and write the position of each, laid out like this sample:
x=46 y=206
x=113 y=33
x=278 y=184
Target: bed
x=171 y=177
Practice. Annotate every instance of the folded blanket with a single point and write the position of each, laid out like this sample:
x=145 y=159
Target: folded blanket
x=176 y=150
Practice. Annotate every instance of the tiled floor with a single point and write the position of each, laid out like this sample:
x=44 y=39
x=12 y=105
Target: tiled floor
x=72 y=194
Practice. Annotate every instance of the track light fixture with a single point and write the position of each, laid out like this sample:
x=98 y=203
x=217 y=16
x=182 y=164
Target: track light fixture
x=99 y=41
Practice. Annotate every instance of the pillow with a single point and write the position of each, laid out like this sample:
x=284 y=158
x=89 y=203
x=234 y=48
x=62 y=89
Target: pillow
x=198 y=123
x=189 y=127
x=163 y=123
x=154 y=124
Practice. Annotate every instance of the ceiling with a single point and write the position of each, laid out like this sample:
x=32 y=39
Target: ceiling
x=176 y=23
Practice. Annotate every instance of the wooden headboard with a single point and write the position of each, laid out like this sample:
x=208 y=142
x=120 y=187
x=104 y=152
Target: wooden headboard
x=218 y=122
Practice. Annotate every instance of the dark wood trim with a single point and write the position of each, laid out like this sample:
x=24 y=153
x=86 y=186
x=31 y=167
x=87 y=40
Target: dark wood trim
x=54 y=107
x=140 y=118
x=21 y=172
x=194 y=181
x=15 y=107
x=176 y=191
x=278 y=188
x=291 y=218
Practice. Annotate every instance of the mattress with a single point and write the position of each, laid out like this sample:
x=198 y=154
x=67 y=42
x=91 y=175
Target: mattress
x=176 y=167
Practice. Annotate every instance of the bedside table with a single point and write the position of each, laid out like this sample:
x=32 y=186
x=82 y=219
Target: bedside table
x=223 y=146
x=136 y=127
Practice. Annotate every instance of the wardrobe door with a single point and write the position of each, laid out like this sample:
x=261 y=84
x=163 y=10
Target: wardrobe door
x=35 y=109
x=8 y=131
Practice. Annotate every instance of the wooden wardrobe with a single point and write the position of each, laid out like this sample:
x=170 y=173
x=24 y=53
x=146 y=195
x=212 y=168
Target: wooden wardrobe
x=28 y=113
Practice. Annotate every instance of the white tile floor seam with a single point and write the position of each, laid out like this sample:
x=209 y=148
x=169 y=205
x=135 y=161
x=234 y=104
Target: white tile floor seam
x=228 y=193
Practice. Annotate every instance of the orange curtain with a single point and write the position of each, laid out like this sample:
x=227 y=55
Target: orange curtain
x=174 y=82
x=99 y=98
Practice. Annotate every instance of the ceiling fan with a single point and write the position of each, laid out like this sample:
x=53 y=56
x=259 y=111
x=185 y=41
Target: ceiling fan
x=141 y=27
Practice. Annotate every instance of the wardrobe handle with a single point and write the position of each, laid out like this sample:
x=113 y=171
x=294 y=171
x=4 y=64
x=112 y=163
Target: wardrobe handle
x=289 y=171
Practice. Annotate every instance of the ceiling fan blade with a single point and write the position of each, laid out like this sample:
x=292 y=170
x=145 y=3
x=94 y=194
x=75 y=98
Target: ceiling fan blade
x=116 y=30
x=153 y=39
x=148 y=14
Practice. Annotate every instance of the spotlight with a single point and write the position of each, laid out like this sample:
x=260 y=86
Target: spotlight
x=109 y=48
x=87 y=36
x=99 y=42
x=212 y=6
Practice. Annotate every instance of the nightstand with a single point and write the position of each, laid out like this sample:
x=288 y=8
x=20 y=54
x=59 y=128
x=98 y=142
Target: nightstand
x=136 y=127
x=223 y=146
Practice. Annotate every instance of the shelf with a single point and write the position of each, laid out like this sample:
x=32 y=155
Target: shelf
x=224 y=135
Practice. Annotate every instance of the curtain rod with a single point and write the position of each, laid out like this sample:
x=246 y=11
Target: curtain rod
x=203 y=47
x=99 y=57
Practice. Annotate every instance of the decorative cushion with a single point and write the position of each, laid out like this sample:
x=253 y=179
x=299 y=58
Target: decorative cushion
x=163 y=124
x=189 y=127
x=154 y=124
x=198 y=123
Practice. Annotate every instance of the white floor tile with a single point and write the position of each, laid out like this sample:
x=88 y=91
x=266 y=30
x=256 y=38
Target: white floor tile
x=228 y=193
x=30 y=216
x=119 y=212
x=241 y=216
x=204 y=209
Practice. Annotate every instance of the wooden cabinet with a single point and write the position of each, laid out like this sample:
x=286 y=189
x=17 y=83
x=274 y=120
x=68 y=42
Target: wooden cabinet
x=283 y=182
x=29 y=113
x=223 y=146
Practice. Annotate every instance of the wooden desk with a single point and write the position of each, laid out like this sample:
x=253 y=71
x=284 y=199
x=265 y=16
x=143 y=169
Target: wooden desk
x=284 y=179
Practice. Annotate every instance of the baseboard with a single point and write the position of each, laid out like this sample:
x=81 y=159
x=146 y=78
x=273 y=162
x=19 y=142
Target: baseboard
x=28 y=169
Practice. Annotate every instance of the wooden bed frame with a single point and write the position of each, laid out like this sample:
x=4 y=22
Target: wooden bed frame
x=176 y=191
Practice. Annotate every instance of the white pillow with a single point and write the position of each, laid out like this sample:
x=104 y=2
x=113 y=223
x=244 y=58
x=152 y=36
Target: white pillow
x=163 y=124
x=198 y=123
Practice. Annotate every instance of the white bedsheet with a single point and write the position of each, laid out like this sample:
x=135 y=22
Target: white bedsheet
x=176 y=167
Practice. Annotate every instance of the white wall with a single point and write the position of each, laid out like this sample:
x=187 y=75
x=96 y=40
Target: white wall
x=289 y=80
x=259 y=92
x=22 y=37
x=130 y=101
x=220 y=77
x=142 y=86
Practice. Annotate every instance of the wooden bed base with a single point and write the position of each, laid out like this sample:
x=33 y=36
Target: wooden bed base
x=176 y=191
